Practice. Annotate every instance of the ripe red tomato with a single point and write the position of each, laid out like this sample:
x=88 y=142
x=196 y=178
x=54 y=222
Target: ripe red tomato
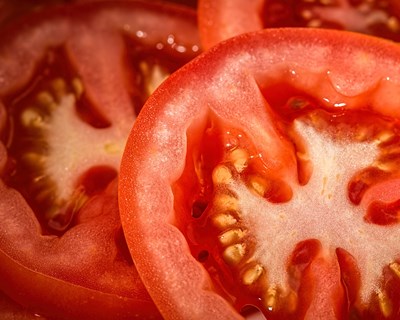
x=72 y=80
x=266 y=173
x=219 y=20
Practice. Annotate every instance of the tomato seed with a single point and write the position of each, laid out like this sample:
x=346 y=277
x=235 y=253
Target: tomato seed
x=221 y=175
x=252 y=275
x=234 y=254
x=154 y=75
x=77 y=86
x=32 y=118
x=258 y=185
x=33 y=159
x=231 y=236
x=223 y=220
x=393 y=24
x=395 y=267
x=385 y=304
x=45 y=99
x=59 y=87
x=239 y=158
x=270 y=299
x=226 y=202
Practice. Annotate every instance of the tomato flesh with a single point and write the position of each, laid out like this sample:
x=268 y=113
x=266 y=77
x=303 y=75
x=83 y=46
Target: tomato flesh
x=268 y=179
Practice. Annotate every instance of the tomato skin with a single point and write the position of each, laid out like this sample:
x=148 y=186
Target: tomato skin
x=84 y=273
x=333 y=65
x=49 y=293
x=59 y=296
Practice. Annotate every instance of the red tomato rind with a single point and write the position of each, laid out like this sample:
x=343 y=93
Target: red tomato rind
x=338 y=67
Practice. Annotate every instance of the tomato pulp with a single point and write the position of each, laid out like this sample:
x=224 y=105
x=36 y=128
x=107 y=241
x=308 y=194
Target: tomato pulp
x=265 y=173
x=73 y=79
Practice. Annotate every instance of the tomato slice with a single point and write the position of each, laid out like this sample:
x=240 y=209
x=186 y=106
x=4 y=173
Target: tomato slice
x=250 y=174
x=72 y=81
x=219 y=20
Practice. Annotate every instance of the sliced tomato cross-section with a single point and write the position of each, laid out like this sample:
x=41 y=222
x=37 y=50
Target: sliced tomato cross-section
x=265 y=173
x=72 y=81
x=219 y=20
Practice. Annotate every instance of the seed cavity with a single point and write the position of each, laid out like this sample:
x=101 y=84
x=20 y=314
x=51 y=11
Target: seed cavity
x=234 y=254
x=203 y=256
x=198 y=208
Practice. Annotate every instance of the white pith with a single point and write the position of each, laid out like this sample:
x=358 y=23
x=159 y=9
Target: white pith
x=321 y=210
x=75 y=146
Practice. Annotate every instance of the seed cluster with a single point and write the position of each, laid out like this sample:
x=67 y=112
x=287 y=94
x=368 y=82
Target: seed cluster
x=36 y=122
x=232 y=236
x=236 y=240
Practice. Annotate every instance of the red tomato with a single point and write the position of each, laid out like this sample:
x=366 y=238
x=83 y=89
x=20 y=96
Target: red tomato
x=219 y=20
x=250 y=174
x=72 y=80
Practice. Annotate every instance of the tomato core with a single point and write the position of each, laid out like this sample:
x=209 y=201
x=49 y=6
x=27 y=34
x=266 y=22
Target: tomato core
x=37 y=115
x=240 y=196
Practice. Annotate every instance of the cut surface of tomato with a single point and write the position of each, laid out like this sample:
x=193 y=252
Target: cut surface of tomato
x=72 y=80
x=261 y=180
x=219 y=20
